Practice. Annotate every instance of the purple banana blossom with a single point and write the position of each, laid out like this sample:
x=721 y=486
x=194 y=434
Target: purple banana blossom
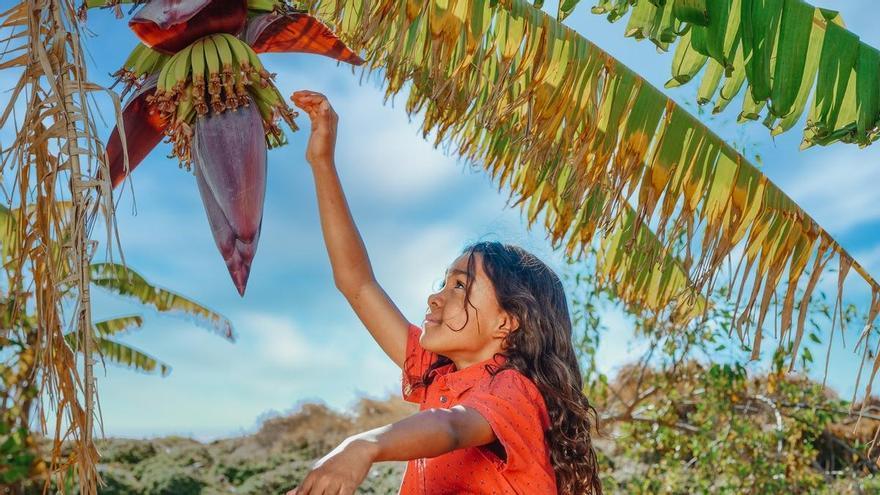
x=229 y=154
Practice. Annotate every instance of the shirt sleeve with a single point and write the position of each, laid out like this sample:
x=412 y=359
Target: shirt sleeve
x=515 y=409
x=416 y=361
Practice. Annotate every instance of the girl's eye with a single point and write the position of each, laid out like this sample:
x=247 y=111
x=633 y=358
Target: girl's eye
x=459 y=284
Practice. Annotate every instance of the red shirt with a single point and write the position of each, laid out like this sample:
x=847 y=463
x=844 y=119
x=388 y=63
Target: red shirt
x=512 y=405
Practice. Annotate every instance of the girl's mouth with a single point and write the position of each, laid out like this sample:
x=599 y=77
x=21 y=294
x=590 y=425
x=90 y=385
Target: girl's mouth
x=432 y=321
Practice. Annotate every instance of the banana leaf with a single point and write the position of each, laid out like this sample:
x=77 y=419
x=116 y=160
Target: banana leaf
x=790 y=51
x=125 y=355
x=126 y=282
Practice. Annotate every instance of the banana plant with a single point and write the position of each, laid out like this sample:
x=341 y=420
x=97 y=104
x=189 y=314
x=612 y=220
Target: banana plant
x=118 y=352
x=123 y=281
x=20 y=344
x=199 y=82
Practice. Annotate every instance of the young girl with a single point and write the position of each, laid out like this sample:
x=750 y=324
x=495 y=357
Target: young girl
x=500 y=393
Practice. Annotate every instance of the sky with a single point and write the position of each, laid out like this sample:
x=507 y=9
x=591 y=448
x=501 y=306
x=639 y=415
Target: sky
x=416 y=208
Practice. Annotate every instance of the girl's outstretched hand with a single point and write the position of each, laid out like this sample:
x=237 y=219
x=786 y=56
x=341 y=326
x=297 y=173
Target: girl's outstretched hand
x=324 y=119
x=340 y=472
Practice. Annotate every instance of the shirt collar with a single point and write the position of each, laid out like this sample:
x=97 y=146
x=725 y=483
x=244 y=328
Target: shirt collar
x=463 y=379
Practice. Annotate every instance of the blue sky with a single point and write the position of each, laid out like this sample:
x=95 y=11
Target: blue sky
x=416 y=208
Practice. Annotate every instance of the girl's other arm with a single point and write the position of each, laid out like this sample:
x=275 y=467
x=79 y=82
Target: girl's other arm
x=352 y=271
x=429 y=433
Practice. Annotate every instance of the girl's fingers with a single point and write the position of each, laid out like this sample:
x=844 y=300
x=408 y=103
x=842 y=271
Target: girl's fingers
x=307 y=95
x=314 y=94
x=304 y=100
x=323 y=487
x=305 y=488
x=307 y=105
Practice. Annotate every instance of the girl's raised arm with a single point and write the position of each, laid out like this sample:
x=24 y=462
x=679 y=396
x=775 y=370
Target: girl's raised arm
x=352 y=271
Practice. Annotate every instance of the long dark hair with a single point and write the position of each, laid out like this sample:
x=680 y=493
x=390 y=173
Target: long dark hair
x=542 y=350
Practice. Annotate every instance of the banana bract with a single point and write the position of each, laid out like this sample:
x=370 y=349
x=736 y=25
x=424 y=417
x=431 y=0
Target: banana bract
x=171 y=25
x=143 y=131
x=201 y=84
x=230 y=169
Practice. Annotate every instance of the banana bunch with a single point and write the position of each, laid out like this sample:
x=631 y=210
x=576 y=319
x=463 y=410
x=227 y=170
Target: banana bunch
x=140 y=64
x=216 y=73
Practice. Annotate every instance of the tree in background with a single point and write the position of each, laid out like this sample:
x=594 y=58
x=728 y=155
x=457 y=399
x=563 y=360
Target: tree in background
x=690 y=415
x=21 y=457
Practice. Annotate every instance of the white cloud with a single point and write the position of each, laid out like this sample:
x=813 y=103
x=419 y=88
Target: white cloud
x=409 y=269
x=281 y=344
x=392 y=162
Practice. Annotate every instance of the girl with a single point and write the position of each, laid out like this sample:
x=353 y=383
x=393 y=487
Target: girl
x=500 y=392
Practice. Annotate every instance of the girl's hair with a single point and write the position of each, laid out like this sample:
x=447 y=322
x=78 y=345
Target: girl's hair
x=542 y=350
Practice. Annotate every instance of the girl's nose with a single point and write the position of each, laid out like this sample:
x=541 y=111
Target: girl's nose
x=434 y=301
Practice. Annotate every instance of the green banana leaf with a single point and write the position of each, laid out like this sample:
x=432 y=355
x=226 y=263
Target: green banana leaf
x=783 y=50
x=126 y=282
x=124 y=355
x=108 y=328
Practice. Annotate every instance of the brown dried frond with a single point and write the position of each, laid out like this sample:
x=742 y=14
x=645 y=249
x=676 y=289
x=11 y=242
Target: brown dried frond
x=53 y=163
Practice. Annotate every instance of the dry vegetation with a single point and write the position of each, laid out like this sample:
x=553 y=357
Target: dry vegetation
x=278 y=455
x=273 y=459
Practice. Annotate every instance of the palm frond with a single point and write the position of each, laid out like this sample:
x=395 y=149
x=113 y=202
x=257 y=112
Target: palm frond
x=108 y=328
x=129 y=283
x=579 y=137
x=740 y=43
x=125 y=356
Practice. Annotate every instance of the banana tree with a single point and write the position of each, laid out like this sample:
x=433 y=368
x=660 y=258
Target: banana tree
x=200 y=82
x=781 y=51
x=21 y=332
x=168 y=64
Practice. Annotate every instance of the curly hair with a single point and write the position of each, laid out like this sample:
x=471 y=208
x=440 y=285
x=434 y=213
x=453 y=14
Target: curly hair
x=542 y=350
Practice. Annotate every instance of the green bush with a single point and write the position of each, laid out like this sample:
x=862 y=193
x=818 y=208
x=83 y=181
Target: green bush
x=236 y=468
x=383 y=479
x=125 y=451
x=180 y=467
x=118 y=480
x=171 y=480
x=283 y=477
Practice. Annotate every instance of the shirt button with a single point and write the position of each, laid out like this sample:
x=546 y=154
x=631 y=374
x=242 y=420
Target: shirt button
x=443 y=398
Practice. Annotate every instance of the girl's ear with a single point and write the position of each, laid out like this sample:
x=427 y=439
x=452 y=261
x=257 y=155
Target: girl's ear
x=509 y=323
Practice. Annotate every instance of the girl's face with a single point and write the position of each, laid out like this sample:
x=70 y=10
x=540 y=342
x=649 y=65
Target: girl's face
x=463 y=333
